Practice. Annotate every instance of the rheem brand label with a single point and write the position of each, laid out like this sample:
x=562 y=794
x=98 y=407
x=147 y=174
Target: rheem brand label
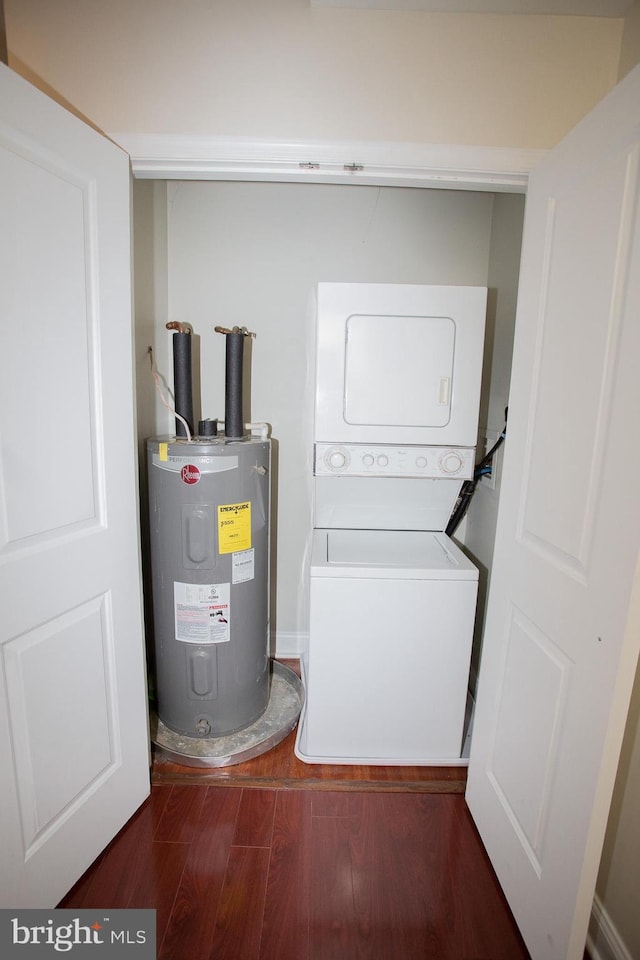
x=190 y=473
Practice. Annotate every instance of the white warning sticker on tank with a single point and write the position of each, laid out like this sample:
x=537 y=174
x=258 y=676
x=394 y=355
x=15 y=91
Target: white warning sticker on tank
x=202 y=612
x=243 y=566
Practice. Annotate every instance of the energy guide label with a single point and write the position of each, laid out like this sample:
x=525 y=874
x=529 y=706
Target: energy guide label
x=202 y=612
x=234 y=527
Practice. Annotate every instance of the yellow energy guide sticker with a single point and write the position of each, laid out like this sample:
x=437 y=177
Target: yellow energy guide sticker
x=234 y=527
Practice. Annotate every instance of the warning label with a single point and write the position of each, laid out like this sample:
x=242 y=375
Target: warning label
x=202 y=612
x=234 y=527
x=242 y=566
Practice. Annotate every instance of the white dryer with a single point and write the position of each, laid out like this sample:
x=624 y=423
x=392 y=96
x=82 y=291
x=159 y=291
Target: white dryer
x=392 y=598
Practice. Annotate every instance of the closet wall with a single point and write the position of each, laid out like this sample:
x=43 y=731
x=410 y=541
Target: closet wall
x=251 y=254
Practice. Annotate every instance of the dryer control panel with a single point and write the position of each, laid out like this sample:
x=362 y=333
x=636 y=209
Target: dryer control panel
x=386 y=460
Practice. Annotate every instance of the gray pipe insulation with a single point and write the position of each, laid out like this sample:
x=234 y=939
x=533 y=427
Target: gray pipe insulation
x=182 y=376
x=183 y=382
x=234 y=359
x=233 y=390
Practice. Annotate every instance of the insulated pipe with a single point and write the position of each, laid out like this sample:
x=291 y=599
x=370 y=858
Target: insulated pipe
x=182 y=381
x=207 y=428
x=234 y=359
x=233 y=419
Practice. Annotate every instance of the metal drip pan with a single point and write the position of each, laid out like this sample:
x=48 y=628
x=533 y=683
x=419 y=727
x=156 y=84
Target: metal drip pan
x=283 y=709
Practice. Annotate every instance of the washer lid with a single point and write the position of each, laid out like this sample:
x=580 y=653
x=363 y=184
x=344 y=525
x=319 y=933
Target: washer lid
x=389 y=554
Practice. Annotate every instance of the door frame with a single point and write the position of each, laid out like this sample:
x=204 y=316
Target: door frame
x=370 y=163
x=426 y=166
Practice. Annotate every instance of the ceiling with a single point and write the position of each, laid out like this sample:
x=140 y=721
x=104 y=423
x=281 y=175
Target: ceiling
x=577 y=8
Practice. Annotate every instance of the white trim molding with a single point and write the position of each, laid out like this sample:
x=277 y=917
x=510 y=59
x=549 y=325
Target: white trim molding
x=289 y=644
x=604 y=942
x=496 y=169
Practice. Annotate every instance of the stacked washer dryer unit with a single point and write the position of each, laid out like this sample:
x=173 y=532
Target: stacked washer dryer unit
x=392 y=598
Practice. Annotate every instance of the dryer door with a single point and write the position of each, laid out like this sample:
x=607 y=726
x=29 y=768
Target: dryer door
x=412 y=357
x=398 y=363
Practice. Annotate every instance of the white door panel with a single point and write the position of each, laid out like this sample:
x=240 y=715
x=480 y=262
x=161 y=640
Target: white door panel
x=561 y=627
x=73 y=730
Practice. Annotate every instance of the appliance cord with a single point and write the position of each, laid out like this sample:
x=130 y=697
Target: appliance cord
x=482 y=469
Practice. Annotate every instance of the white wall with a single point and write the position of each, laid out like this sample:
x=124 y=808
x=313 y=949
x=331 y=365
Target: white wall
x=615 y=927
x=630 y=48
x=251 y=254
x=479 y=530
x=3 y=35
x=617 y=936
x=278 y=69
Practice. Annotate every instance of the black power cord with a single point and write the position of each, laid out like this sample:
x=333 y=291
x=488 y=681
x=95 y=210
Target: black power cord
x=468 y=488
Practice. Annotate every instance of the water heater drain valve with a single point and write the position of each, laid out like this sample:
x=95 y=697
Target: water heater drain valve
x=203 y=727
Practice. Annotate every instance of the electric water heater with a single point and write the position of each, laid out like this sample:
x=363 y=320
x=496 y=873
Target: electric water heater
x=209 y=527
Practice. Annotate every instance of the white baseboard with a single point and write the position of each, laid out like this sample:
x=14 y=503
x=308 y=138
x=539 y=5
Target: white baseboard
x=289 y=644
x=603 y=941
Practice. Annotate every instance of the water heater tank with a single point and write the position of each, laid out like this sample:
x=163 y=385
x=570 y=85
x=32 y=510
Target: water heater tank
x=209 y=517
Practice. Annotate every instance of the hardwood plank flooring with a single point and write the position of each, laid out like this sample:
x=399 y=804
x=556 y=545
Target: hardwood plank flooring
x=270 y=874
x=275 y=859
x=280 y=767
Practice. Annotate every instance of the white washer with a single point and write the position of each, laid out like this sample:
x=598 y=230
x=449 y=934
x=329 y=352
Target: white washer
x=391 y=623
x=392 y=598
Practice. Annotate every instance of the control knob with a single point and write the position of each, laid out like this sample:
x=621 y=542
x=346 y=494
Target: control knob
x=336 y=459
x=451 y=462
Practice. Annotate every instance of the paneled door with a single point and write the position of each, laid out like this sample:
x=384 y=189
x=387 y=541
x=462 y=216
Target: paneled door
x=563 y=620
x=74 y=748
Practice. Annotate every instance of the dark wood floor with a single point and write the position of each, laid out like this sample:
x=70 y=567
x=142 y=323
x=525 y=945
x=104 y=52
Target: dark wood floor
x=254 y=873
x=281 y=768
x=274 y=859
